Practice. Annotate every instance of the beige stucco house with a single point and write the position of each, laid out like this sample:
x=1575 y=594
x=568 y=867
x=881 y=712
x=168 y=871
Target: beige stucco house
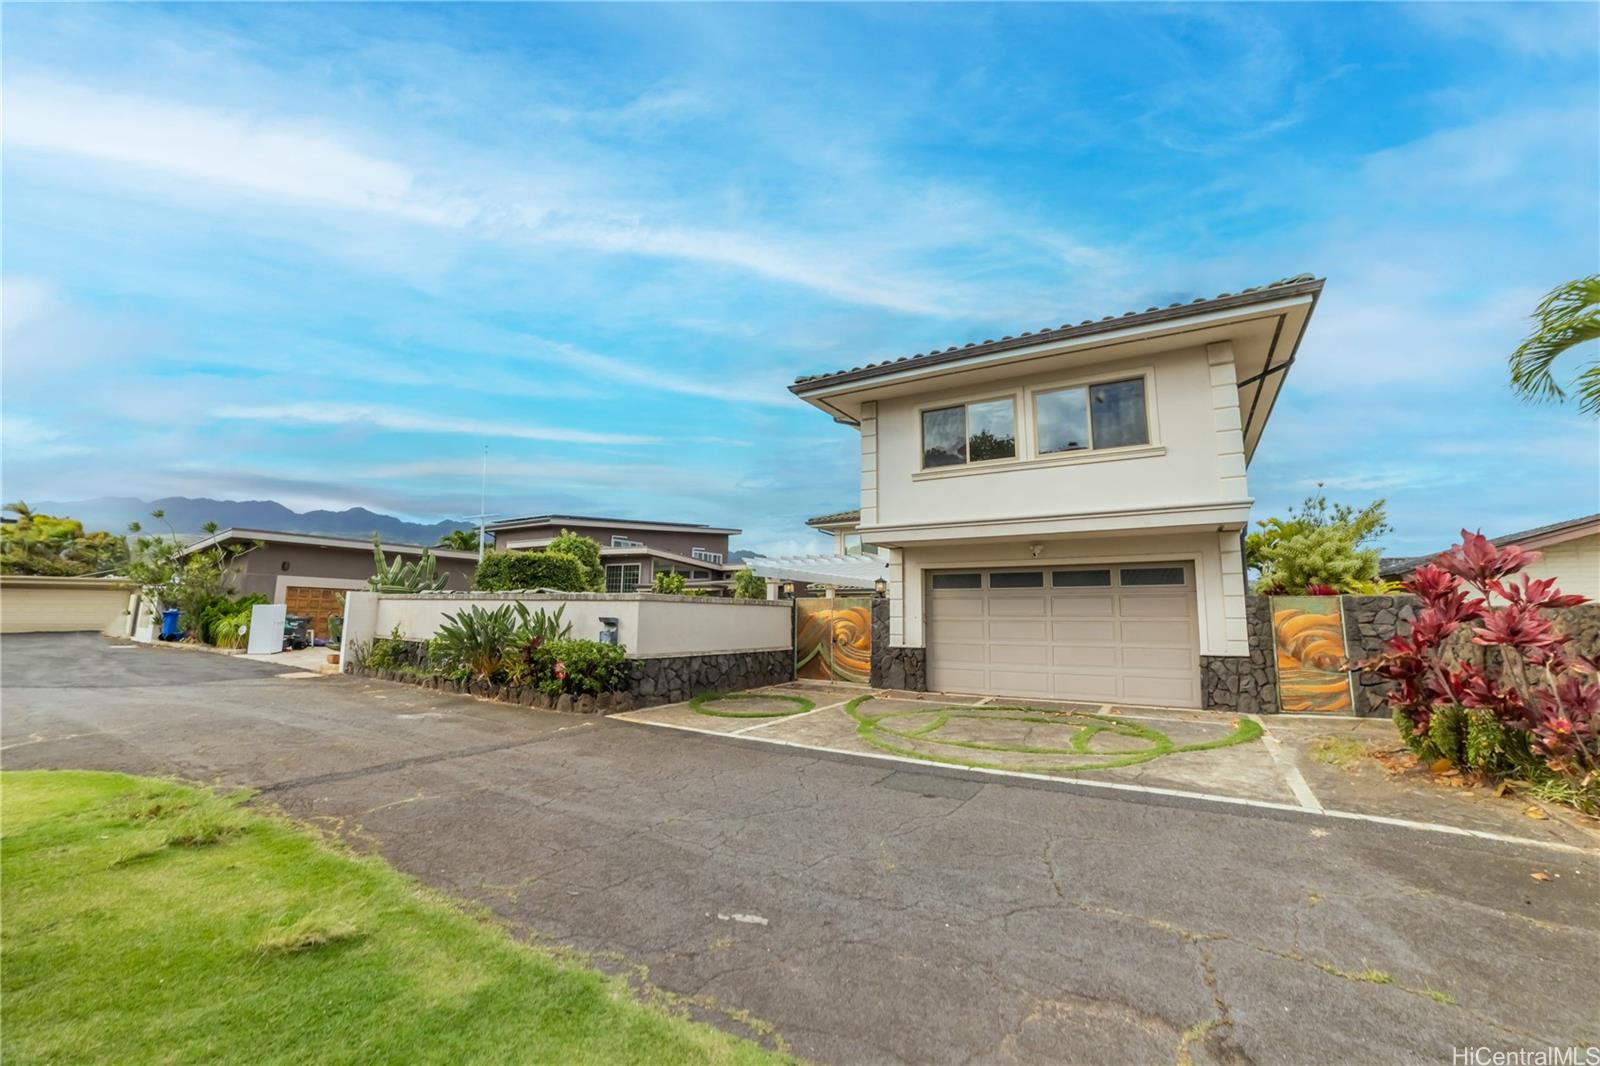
x=1062 y=510
x=1568 y=551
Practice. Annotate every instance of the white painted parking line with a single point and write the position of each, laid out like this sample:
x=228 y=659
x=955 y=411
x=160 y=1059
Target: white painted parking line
x=1119 y=786
x=1291 y=773
x=785 y=718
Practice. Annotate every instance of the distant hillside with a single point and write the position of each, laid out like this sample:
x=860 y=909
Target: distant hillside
x=190 y=515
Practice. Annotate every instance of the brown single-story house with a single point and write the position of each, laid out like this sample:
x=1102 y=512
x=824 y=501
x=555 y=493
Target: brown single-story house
x=306 y=572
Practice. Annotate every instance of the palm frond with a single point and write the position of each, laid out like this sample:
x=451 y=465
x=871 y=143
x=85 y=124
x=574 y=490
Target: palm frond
x=1568 y=316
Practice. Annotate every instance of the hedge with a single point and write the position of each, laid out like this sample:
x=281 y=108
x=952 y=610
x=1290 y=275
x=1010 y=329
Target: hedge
x=505 y=571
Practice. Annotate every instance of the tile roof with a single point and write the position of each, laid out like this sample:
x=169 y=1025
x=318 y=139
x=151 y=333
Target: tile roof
x=1394 y=567
x=1255 y=294
x=836 y=518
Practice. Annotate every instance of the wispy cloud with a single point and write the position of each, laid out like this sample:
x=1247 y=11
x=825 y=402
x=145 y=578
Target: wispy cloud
x=402 y=421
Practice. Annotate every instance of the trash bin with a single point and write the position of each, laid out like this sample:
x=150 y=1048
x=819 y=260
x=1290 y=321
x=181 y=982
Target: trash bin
x=296 y=633
x=169 y=624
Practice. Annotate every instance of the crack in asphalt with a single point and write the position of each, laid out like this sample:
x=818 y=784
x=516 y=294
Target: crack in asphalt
x=417 y=760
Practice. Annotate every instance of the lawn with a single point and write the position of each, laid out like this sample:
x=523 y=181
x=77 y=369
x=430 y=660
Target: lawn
x=148 y=921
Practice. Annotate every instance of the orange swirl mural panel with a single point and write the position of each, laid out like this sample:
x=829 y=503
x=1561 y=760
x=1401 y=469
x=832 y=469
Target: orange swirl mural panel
x=833 y=638
x=1308 y=641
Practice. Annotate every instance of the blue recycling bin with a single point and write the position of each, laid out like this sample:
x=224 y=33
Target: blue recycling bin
x=169 y=624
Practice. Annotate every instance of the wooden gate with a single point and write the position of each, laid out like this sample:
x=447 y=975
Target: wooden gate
x=833 y=638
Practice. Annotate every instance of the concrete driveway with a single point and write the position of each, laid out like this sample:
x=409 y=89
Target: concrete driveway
x=870 y=912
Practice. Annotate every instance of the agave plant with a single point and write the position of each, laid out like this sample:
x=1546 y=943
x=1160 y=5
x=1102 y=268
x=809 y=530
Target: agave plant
x=401 y=576
x=475 y=640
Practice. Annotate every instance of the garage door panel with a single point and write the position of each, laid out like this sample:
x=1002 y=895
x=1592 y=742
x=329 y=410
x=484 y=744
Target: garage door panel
x=1099 y=688
x=1084 y=632
x=1156 y=658
x=1160 y=606
x=1002 y=605
x=1137 y=644
x=1144 y=631
x=960 y=679
x=957 y=652
x=1020 y=682
x=1154 y=689
x=956 y=629
x=1083 y=605
x=1034 y=630
x=1002 y=652
x=1085 y=655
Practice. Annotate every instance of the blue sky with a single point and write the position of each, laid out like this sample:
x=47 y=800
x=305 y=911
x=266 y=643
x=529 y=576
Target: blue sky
x=325 y=253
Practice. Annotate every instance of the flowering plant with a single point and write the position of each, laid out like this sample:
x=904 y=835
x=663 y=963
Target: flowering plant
x=1543 y=697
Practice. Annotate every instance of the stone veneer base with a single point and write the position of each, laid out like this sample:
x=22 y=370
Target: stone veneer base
x=650 y=681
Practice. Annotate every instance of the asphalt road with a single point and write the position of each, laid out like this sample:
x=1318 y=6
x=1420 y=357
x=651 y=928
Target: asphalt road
x=870 y=914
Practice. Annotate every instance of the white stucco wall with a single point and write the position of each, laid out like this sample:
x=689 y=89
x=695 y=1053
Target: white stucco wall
x=1195 y=455
x=38 y=604
x=649 y=626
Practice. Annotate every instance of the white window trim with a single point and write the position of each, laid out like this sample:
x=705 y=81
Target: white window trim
x=705 y=556
x=623 y=579
x=1017 y=423
x=1028 y=455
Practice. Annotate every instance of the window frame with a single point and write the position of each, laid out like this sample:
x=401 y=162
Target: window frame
x=705 y=555
x=622 y=580
x=1087 y=383
x=1018 y=430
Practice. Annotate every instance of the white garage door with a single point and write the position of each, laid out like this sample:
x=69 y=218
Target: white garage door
x=1126 y=633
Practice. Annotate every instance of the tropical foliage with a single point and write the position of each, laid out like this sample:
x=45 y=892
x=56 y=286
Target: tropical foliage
x=461 y=540
x=507 y=571
x=403 y=577
x=748 y=585
x=668 y=583
x=575 y=667
x=1528 y=708
x=192 y=582
x=587 y=552
x=1567 y=317
x=225 y=621
x=1319 y=548
x=56 y=546
x=475 y=641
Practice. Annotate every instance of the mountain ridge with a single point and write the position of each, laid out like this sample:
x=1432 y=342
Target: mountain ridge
x=189 y=514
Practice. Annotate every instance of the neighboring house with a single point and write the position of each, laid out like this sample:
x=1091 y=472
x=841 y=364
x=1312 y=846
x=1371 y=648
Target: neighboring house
x=1062 y=510
x=306 y=572
x=851 y=567
x=633 y=552
x=844 y=528
x=1570 y=553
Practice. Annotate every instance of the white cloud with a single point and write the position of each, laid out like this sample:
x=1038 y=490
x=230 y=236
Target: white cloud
x=25 y=300
x=389 y=418
x=611 y=369
x=22 y=437
x=1538 y=30
x=294 y=161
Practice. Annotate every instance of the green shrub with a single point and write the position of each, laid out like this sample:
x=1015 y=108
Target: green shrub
x=587 y=552
x=668 y=583
x=576 y=667
x=1447 y=736
x=218 y=622
x=388 y=653
x=748 y=585
x=505 y=571
x=476 y=641
x=539 y=626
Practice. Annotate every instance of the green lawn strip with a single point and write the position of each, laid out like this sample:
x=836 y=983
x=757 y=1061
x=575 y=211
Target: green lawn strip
x=148 y=921
x=702 y=705
x=870 y=729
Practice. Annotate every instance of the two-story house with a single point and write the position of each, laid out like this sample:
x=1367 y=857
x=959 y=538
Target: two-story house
x=633 y=552
x=1063 y=510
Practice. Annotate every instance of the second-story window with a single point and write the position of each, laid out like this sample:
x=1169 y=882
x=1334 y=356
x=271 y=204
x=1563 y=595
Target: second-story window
x=1111 y=415
x=705 y=556
x=619 y=541
x=969 y=433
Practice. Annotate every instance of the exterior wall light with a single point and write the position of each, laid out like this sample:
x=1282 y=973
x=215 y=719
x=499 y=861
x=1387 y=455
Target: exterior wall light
x=881 y=587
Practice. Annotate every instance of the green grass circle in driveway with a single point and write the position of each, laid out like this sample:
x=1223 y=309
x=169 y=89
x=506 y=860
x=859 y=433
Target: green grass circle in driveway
x=956 y=736
x=703 y=704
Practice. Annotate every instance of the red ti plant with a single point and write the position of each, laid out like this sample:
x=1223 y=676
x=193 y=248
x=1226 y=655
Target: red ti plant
x=1542 y=687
